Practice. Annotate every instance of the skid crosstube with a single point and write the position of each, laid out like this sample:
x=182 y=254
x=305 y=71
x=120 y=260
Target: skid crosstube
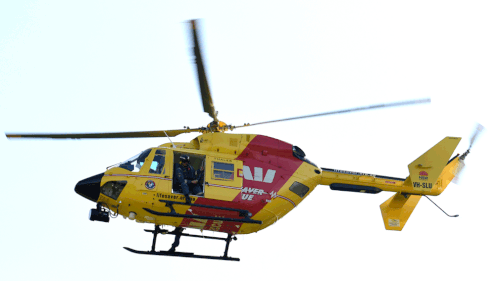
x=178 y=233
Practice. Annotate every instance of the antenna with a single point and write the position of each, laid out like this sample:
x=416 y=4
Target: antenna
x=440 y=208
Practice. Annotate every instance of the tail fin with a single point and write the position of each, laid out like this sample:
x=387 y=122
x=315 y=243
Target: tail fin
x=429 y=174
x=426 y=170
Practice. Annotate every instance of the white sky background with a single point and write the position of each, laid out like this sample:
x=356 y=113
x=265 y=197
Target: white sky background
x=126 y=66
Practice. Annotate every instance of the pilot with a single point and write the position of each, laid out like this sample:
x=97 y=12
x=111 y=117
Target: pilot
x=185 y=177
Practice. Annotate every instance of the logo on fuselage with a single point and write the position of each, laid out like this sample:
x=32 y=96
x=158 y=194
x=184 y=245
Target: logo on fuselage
x=150 y=185
x=257 y=174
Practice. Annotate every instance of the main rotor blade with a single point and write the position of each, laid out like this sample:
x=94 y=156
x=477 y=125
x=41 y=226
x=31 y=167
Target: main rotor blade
x=206 y=98
x=118 y=135
x=362 y=108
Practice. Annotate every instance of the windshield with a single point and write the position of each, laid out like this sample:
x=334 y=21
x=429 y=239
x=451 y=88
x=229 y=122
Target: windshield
x=135 y=163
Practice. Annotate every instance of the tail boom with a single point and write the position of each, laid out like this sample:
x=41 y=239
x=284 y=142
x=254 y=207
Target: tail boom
x=430 y=174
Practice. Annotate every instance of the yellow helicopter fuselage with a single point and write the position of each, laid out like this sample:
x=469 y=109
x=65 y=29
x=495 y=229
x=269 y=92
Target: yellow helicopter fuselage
x=249 y=182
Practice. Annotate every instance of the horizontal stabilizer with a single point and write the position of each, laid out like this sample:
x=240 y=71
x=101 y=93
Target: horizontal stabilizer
x=397 y=210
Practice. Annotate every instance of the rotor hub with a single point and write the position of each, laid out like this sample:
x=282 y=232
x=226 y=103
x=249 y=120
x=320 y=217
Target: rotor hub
x=219 y=126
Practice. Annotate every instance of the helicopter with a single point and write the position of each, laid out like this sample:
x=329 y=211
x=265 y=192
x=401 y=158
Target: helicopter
x=248 y=181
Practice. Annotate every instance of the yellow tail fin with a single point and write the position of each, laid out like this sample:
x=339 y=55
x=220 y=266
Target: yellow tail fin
x=426 y=169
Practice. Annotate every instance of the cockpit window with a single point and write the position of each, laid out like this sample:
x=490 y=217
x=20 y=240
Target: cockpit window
x=113 y=188
x=135 y=163
x=158 y=163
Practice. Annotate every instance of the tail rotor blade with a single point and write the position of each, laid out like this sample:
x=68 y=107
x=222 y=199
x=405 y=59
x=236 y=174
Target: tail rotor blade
x=479 y=129
x=459 y=173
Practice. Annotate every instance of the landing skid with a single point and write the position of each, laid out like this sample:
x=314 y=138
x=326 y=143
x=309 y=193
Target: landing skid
x=181 y=254
x=172 y=252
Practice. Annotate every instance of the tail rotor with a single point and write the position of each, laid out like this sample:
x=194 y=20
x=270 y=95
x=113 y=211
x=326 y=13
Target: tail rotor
x=461 y=162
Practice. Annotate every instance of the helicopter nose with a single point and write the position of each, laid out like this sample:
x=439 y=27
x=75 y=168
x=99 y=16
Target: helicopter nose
x=90 y=188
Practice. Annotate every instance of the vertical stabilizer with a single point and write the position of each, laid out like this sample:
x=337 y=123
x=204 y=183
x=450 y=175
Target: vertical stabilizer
x=425 y=170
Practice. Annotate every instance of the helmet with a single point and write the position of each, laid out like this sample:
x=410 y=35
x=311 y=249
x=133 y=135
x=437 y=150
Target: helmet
x=184 y=158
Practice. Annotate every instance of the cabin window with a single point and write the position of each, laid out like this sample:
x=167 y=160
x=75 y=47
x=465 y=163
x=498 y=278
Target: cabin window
x=113 y=189
x=299 y=189
x=158 y=163
x=223 y=171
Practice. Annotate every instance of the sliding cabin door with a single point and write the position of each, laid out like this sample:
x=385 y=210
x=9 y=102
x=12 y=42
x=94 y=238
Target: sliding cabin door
x=223 y=178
